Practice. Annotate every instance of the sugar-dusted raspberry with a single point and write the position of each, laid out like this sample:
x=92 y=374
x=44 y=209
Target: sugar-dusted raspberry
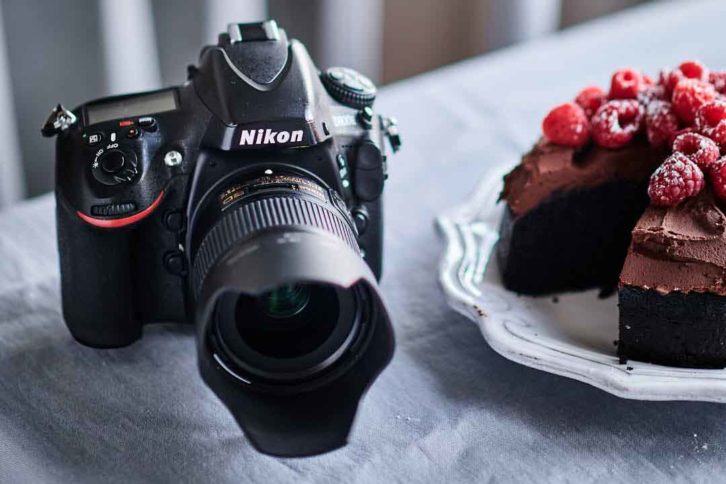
x=675 y=180
x=718 y=79
x=589 y=99
x=681 y=131
x=647 y=80
x=567 y=125
x=711 y=121
x=669 y=79
x=718 y=178
x=625 y=84
x=615 y=123
x=689 y=95
x=661 y=123
x=687 y=70
x=648 y=94
x=699 y=149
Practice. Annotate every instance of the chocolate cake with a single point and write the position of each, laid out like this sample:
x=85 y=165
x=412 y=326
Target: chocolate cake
x=627 y=190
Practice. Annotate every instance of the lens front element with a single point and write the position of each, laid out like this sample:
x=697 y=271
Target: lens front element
x=285 y=301
x=291 y=332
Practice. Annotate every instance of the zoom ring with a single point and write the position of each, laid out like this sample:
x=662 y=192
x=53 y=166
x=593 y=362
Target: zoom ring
x=262 y=214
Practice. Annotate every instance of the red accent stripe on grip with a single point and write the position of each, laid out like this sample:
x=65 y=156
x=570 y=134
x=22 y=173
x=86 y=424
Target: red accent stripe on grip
x=114 y=223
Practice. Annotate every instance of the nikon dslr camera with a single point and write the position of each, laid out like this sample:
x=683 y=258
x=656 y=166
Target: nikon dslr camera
x=246 y=201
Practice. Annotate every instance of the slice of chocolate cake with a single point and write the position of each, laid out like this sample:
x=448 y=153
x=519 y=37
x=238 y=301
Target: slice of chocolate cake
x=569 y=214
x=672 y=287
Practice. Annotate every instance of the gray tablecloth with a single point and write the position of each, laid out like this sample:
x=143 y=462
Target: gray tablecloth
x=448 y=407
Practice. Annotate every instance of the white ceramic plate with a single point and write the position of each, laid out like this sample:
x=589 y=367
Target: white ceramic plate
x=572 y=335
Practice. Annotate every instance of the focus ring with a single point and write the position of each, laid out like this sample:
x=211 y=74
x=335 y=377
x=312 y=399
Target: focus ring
x=261 y=214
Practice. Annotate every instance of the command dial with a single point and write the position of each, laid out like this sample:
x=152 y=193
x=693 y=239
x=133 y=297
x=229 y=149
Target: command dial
x=114 y=167
x=349 y=87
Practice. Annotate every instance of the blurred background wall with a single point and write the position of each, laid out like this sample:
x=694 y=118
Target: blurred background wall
x=71 y=51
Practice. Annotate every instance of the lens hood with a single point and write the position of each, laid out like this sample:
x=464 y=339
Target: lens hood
x=314 y=415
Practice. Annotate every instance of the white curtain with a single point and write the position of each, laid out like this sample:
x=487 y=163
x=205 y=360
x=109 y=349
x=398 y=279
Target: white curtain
x=112 y=47
x=12 y=186
x=511 y=21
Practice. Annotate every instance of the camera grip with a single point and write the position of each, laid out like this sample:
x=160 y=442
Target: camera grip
x=371 y=240
x=96 y=285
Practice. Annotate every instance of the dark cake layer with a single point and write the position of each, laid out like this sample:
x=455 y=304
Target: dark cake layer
x=676 y=329
x=573 y=240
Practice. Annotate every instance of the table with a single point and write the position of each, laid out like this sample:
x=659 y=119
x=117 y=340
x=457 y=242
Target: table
x=448 y=408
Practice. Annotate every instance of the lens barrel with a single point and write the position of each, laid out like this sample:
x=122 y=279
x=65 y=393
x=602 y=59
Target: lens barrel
x=268 y=203
x=291 y=328
x=296 y=329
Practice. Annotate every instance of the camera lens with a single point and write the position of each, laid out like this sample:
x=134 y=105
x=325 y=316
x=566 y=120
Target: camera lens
x=286 y=301
x=291 y=327
x=291 y=332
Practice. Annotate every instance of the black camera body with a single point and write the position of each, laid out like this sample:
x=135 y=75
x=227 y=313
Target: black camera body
x=258 y=157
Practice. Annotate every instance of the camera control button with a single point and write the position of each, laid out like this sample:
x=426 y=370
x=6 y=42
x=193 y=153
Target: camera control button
x=360 y=218
x=174 y=220
x=336 y=74
x=349 y=87
x=146 y=121
x=94 y=138
x=174 y=263
x=133 y=133
x=173 y=158
x=365 y=117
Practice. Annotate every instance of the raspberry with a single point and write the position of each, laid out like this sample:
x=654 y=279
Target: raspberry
x=689 y=95
x=718 y=79
x=589 y=99
x=647 y=80
x=699 y=149
x=718 y=178
x=652 y=93
x=625 y=84
x=661 y=123
x=616 y=123
x=711 y=121
x=680 y=132
x=694 y=70
x=670 y=78
x=687 y=70
x=567 y=125
x=675 y=180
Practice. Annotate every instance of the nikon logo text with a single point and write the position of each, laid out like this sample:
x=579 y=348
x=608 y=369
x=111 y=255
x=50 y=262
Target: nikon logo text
x=269 y=137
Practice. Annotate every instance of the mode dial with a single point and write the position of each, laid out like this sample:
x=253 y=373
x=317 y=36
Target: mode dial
x=349 y=87
x=114 y=167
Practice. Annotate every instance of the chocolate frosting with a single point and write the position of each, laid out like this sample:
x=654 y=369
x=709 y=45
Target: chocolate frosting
x=550 y=168
x=681 y=248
